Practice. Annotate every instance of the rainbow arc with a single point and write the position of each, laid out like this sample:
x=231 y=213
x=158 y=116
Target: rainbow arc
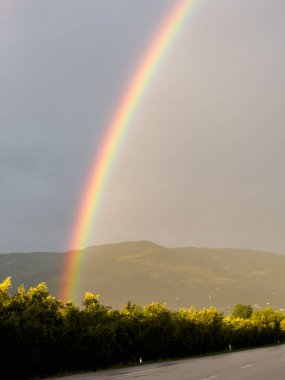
x=115 y=132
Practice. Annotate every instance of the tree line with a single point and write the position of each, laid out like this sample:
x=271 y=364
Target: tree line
x=42 y=336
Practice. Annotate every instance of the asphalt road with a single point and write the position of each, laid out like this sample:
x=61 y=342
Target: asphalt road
x=261 y=364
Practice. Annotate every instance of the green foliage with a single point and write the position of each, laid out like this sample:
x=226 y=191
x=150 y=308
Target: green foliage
x=91 y=301
x=4 y=287
x=242 y=311
x=48 y=337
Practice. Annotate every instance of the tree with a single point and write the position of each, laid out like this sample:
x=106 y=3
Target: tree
x=4 y=287
x=242 y=311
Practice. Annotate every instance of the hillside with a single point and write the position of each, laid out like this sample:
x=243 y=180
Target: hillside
x=143 y=272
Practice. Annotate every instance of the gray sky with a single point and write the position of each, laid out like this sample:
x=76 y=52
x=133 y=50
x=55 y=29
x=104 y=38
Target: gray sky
x=203 y=161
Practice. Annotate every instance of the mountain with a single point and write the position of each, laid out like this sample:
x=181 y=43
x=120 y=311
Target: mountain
x=142 y=272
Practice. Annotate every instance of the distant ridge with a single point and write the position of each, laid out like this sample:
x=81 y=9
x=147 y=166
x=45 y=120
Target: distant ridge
x=142 y=272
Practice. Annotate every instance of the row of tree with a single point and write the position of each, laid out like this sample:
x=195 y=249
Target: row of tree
x=42 y=336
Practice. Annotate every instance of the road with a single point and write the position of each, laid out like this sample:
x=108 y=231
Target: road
x=262 y=364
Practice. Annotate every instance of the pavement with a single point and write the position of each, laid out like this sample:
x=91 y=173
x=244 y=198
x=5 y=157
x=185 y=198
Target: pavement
x=255 y=364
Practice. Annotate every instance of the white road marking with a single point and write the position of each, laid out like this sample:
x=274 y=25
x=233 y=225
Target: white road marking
x=127 y=374
x=210 y=378
x=247 y=366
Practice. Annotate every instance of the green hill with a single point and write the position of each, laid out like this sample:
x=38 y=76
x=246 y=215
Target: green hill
x=143 y=272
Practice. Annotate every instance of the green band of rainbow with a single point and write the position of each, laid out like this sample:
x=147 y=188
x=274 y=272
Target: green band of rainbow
x=116 y=130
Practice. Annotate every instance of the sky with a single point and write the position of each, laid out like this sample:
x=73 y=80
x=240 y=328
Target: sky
x=202 y=163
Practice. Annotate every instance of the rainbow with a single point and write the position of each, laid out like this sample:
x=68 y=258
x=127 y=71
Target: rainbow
x=115 y=132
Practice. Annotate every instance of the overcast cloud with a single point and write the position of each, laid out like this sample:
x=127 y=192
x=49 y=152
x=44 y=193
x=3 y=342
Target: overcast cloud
x=202 y=163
